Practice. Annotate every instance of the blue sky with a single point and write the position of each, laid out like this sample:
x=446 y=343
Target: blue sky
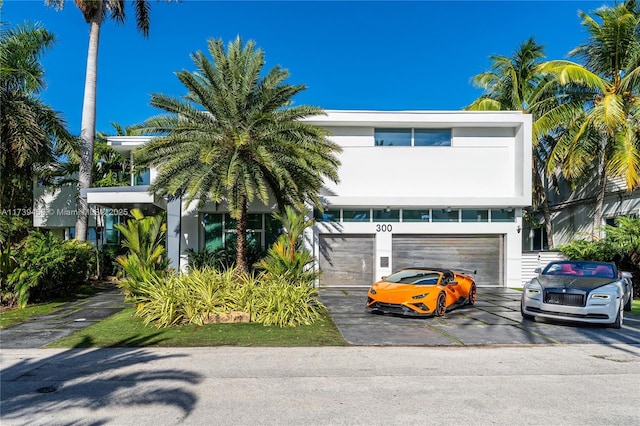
x=380 y=55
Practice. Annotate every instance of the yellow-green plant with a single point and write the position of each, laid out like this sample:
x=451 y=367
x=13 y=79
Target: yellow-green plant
x=144 y=237
x=287 y=258
x=278 y=302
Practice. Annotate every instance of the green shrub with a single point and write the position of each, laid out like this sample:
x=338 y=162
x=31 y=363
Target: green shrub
x=12 y=230
x=48 y=266
x=621 y=245
x=278 y=302
x=145 y=259
x=192 y=298
x=107 y=264
x=287 y=259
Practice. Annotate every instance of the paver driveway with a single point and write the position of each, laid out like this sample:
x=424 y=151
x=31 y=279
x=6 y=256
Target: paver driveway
x=494 y=319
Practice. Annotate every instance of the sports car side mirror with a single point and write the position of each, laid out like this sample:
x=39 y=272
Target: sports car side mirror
x=537 y=270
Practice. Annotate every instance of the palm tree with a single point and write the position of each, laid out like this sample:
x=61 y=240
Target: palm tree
x=606 y=132
x=32 y=134
x=94 y=13
x=514 y=84
x=235 y=137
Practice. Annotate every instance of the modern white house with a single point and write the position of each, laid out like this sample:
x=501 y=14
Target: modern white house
x=417 y=188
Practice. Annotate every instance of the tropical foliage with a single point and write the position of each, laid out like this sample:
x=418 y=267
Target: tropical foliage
x=603 y=137
x=621 y=245
x=235 y=138
x=48 y=266
x=95 y=12
x=287 y=259
x=32 y=134
x=516 y=84
x=146 y=259
x=204 y=294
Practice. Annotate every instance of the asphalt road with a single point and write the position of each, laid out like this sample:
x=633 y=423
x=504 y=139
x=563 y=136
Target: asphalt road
x=502 y=385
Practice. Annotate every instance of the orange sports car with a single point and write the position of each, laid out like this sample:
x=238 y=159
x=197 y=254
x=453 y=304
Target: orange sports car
x=421 y=291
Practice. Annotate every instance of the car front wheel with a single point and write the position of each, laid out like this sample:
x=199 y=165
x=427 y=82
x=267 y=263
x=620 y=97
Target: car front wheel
x=473 y=292
x=441 y=306
x=620 y=318
x=526 y=316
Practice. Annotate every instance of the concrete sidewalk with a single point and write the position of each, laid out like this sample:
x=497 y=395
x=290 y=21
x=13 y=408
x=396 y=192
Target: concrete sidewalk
x=68 y=318
x=517 y=385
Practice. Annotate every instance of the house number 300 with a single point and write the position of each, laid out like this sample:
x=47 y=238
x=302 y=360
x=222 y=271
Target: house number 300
x=383 y=228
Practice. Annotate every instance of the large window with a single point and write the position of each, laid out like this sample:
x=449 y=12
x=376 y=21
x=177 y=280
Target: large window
x=386 y=215
x=441 y=214
x=503 y=215
x=142 y=177
x=412 y=137
x=327 y=215
x=220 y=229
x=422 y=215
x=445 y=215
x=393 y=137
x=539 y=239
x=469 y=215
x=355 y=215
x=432 y=137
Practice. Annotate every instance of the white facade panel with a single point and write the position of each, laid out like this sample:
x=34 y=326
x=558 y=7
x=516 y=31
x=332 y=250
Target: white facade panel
x=447 y=172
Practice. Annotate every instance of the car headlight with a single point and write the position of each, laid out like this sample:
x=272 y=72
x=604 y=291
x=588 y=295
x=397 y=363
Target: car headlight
x=372 y=291
x=607 y=292
x=533 y=290
x=420 y=296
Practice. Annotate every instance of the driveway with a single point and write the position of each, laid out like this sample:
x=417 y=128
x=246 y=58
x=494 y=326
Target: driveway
x=494 y=319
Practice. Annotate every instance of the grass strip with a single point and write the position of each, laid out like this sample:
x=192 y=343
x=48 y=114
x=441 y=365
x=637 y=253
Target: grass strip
x=125 y=330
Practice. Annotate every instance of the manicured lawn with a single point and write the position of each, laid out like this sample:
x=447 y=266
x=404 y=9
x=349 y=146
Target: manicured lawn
x=16 y=316
x=122 y=329
x=635 y=307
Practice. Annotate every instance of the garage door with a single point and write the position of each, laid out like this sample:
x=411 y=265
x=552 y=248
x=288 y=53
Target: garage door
x=346 y=260
x=483 y=253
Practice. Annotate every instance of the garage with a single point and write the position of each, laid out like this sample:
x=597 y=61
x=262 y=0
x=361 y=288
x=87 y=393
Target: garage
x=483 y=253
x=346 y=260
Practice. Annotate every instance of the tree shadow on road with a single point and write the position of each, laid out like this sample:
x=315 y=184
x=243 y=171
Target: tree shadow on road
x=92 y=379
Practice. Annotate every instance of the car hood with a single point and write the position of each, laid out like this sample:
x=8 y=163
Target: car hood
x=400 y=291
x=583 y=283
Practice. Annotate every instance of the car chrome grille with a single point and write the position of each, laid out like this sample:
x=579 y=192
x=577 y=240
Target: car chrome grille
x=566 y=299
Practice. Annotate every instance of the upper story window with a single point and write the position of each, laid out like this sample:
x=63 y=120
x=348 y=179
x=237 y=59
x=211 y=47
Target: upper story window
x=143 y=177
x=412 y=137
x=431 y=137
x=393 y=137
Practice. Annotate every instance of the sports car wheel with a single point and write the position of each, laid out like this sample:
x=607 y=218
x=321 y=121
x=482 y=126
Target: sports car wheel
x=441 y=306
x=473 y=292
x=620 y=318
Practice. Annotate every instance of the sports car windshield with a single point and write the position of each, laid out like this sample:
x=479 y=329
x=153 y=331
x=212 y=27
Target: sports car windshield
x=414 y=277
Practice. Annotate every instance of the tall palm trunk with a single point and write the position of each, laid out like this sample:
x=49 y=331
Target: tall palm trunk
x=602 y=186
x=241 y=238
x=543 y=202
x=88 y=131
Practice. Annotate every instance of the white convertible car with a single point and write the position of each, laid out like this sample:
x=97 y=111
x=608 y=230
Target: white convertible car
x=592 y=292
